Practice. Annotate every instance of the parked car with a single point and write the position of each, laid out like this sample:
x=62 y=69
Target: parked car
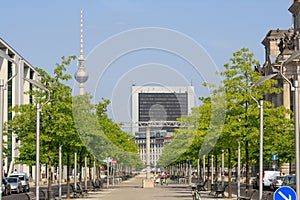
x=267 y=179
x=6 y=188
x=277 y=182
x=24 y=180
x=15 y=184
x=290 y=180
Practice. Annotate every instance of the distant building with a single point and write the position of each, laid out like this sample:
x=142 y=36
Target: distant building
x=158 y=139
x=13 y=64
x=157 y=103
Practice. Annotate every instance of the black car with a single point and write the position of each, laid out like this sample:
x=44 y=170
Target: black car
x=6 y=188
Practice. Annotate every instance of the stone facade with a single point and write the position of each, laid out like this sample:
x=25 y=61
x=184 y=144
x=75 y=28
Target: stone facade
x=280 y=45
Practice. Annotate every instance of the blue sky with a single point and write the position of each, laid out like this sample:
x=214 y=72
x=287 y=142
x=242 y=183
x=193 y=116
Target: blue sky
x=43 y=31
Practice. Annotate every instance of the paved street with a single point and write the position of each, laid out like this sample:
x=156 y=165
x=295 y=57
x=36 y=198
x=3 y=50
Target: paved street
x=132 y=190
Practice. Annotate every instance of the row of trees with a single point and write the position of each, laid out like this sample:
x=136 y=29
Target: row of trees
x=232 y=109
x=71 y=122
x=230 y=116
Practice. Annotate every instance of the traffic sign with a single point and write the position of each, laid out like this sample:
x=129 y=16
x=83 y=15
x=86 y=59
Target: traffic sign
x=285 y=193
x=274 y=157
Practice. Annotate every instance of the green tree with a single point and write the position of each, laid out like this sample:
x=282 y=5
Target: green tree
x=101 y=135
x=241 y=120
x=56 y=123
x=242 y=116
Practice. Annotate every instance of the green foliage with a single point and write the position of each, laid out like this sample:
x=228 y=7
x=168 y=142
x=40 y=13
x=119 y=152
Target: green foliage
x=56 y=121
x=101 y=135
x=241 y=120
x=242 y=117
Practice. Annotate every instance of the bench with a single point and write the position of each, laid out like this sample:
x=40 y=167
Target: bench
x=201 y=187
x=30 y=196
x=79 y=187
x=43 y=194
x=182 y=180
x=96 y=186
x=246 y=198
x=217 y=190
x=76 y=192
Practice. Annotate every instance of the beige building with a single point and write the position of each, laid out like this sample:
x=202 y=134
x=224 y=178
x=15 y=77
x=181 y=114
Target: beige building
x=279 y=45
x=13 y=65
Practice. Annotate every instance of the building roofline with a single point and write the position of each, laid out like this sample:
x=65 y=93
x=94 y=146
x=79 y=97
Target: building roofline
x=17 y=53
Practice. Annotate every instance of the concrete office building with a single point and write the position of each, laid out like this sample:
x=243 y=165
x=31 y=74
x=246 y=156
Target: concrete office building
x=156 y=103
x=14 y=95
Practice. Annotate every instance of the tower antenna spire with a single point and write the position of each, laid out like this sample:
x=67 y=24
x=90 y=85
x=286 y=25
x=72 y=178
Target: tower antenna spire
x=81 y=75
x=81 y=34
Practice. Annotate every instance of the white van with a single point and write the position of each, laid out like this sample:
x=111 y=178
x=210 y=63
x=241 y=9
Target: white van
x=269 y=176
x=24 y=180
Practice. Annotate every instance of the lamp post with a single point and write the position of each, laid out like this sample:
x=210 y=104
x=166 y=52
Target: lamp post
x=212 y=169
x=222 y=168
x=296 y=116
x=261 y=131
x=2 y=88
x=38 y=110
x=60 y=171
x=238 y=171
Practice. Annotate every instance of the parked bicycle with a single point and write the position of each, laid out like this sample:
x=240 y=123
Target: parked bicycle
x=196 y=192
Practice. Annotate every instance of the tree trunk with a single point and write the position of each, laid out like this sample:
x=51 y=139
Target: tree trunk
x=49 y=173
x=90 y=173
x=208 y=175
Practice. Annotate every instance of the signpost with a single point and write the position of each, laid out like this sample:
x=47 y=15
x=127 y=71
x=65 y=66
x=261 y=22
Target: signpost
x=285 y=193
x=274 y=158
x=107 y=161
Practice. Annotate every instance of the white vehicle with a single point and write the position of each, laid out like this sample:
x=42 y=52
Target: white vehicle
x=269 y=176
x=24 y=180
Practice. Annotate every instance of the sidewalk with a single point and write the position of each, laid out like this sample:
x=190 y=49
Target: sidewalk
x=132 y=190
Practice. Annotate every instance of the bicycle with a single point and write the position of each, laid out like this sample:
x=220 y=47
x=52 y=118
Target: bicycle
x=195 y=193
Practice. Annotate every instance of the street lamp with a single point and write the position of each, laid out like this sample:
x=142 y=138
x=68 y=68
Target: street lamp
x=38 y=110
x=296 y=116
x=261 y=131
x=2 y=88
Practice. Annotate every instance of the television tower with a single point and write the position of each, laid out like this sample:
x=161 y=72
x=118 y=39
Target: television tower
x=81 y=75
